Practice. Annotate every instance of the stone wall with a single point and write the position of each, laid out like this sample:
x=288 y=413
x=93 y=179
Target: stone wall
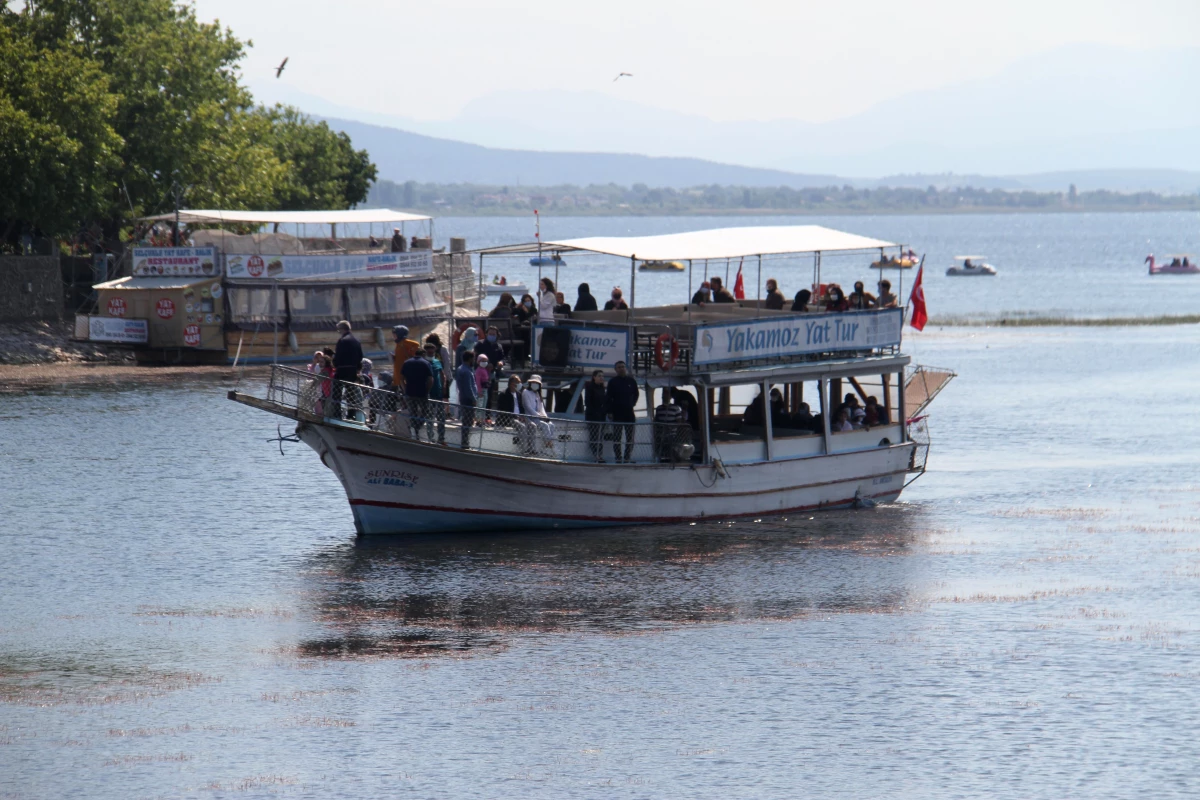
x=30 y=289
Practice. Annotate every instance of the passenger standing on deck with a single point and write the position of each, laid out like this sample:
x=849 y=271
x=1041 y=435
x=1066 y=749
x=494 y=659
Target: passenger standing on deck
x=483 y=382
x=886 y=299
x=800 y=302
x=622 y=397
x=775 y=298
x=418 y=381
x=347 y=361
x=491 y=347
x=703 y=294
x=443 y=355
x=562 y=309
x=437 y=394
x=585 y=301
x=406 y=348
x=547 y=300
x=468 y=392
x=466 y=344
x=668 y=424
x=595 y=412
x=860 y=299
x=534 y=408
x=398 y=243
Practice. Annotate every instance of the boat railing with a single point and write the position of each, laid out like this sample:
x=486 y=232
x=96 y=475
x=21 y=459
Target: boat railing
x=478 y=428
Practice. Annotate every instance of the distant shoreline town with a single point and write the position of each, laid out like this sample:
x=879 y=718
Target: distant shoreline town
x=641 y=200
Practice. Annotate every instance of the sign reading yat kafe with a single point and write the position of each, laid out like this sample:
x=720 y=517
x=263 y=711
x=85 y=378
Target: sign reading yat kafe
x=797 y=335
x=590 y=347
x=347 y=265
x=174 y=261
x=118 y=329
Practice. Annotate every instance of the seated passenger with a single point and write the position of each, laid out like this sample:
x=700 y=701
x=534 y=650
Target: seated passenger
x=691 y=409
x=835 y=300
x=886 y=299
x=841 y=423
x=533 y=408
x=755 y=414
x=802 y=419
x=616 y=301
x=503 y=309
x=874 y=414
x=775 y=298
x=800 y=303
x=562 y=309
x=526 y=313
x=703 y=294
x=860 y=299
x=508 y=403
x=967 y=264
x=779 y=416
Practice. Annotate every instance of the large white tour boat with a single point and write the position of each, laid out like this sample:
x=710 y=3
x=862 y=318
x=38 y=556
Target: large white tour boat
x=773 y=402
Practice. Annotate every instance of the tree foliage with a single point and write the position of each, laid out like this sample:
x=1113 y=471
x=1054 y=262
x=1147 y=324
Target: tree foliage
x=105 y=105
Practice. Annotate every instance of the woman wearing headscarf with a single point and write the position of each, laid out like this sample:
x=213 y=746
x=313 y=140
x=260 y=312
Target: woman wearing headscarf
x=586 y=302
x=800 y=304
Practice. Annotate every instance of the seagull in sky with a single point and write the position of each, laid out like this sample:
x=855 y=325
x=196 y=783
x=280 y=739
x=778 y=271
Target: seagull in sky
x=279 y=69
x=622 y=75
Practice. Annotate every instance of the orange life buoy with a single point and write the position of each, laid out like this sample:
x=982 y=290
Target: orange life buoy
x=660 y=352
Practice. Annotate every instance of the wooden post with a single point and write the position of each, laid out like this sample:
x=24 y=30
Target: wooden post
x=723 y=401
x=887 y=395
x=767 y=429
x=903 y=413
x=857 y=388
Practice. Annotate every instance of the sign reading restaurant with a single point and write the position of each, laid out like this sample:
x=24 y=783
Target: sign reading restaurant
x=797 y=335
x=174 y=261
x=311 y=266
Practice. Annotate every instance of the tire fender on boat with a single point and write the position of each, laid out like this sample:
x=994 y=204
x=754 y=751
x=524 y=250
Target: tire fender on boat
x=666 y=352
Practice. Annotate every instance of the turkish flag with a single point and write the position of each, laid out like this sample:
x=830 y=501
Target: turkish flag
x=739 y=288
x=917 y=301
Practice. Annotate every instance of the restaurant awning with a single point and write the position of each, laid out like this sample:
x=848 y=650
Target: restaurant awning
x=354 y=215
x=714 y=243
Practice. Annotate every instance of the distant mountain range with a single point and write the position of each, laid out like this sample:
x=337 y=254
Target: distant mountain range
x=1097 y=116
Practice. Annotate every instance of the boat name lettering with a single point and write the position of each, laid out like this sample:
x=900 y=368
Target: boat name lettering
x=823 y=333
x=392 y=477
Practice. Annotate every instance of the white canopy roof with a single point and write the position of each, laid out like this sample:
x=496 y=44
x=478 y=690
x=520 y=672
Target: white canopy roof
x=714 y=243
x=303 y=217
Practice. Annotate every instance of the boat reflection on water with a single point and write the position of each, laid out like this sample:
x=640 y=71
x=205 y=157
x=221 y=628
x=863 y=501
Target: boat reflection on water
x=421 y=596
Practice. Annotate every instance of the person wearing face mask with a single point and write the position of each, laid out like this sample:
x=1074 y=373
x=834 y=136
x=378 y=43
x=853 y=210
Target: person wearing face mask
x=861 y=299
x=533 y=408
x=703 y=294
x=493 y=351
x=835 y=300
x=526 y=313
x=617 y=302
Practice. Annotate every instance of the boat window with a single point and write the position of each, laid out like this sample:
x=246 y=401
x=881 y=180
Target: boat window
x=253 y=305
x=316 y=304
x=424 y=295
x=394 y=301
x=362 y=303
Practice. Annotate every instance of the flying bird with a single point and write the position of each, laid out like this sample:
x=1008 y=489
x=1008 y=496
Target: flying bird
x=279 y=69
x=622 y=75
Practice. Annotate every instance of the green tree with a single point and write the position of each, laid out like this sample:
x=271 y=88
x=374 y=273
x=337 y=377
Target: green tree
x=323 y=170
x=58 y=148
x=181 y=112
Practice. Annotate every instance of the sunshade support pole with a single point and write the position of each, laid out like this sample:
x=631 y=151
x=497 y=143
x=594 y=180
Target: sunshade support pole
x=480 y=286
x=633 y=281
x=759 y=295
x=689 y=291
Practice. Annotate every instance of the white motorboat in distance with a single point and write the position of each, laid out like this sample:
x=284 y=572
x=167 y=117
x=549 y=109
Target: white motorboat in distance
x=495 y=289
x=747 y=378
x=971 y=265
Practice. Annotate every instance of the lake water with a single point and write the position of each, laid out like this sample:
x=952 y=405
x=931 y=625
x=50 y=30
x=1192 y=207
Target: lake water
x=184 y=612
x=1056 y=265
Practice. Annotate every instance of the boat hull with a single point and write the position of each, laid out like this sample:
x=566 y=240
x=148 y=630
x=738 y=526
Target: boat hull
x=397 y=486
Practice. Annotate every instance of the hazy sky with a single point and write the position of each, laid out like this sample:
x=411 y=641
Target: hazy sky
x=747 y=59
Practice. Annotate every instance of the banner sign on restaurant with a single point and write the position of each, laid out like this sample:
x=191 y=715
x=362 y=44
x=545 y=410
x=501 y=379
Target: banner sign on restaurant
x=797 y=335
x=590 y=347
x=174 y=261
x=118 y=329
x=320 y=266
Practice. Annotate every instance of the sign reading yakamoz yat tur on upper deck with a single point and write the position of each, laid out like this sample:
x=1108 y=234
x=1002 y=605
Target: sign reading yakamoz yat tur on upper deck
x=797 y=335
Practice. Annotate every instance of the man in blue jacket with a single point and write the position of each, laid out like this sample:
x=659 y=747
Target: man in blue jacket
x=464 y=379
x=622 y=397
x=347 y=361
